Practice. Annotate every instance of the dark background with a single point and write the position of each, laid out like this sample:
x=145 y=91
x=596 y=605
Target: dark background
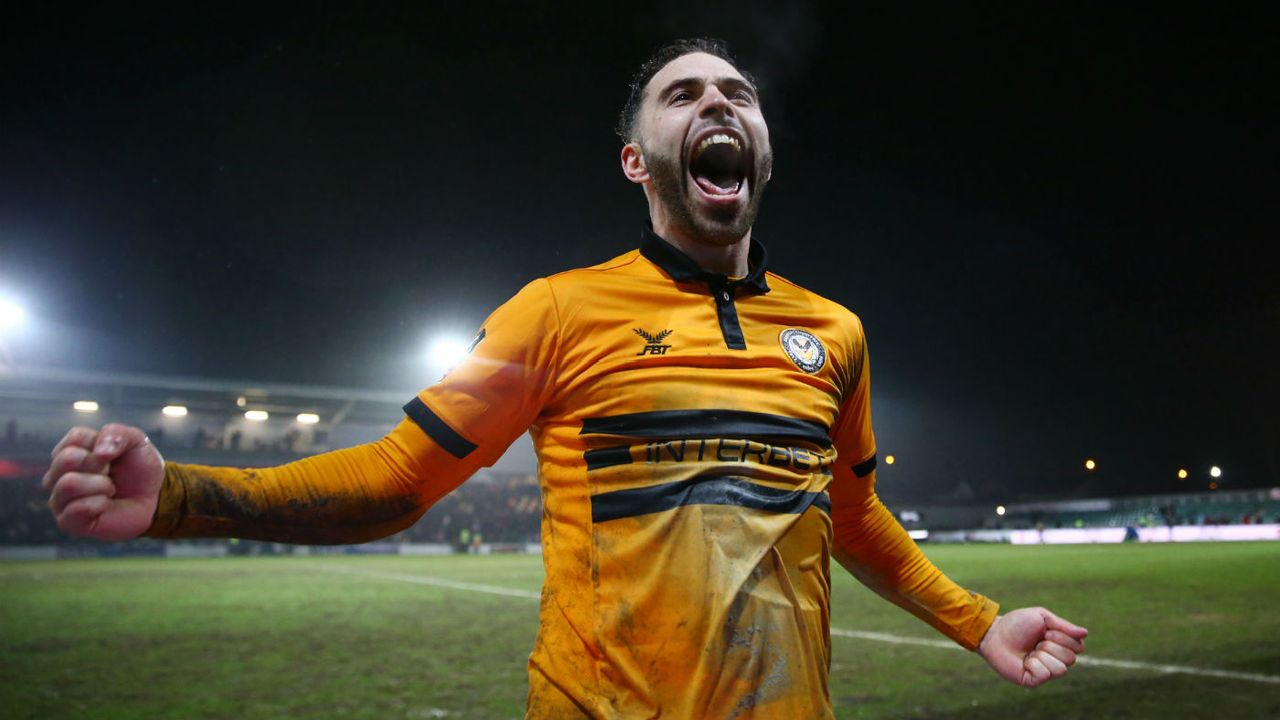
x=1054 y=221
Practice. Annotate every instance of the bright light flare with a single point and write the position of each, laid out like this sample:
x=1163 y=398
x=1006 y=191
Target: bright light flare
x=1215 y=471
x=446 y=351
x=1090 y=464
x=889 y=459
x=1000 y=510
x=308 y=418
x=85 y=406
x=11 y=314
x=1182 y=473
x=256 y=415
x=174 y=411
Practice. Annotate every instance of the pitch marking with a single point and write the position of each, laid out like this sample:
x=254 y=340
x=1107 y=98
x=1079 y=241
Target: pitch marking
x=839 y=632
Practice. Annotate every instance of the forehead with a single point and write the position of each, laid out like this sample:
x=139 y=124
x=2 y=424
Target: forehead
x=693 y=65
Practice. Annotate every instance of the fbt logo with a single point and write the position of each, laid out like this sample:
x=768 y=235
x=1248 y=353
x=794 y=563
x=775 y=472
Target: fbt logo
x=653 y=343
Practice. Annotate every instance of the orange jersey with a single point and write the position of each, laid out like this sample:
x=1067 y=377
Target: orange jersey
x=704 y=448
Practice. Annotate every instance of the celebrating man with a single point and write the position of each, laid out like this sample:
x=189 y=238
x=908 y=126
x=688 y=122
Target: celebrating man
x=704 y=439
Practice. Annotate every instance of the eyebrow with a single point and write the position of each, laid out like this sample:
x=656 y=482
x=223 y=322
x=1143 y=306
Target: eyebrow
x=723 y=81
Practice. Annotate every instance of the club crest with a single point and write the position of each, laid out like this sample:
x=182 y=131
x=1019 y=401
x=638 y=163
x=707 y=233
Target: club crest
x=804 y=349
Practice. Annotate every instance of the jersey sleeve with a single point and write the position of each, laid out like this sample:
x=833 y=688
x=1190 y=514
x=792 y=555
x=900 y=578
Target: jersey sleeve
x=362 y=493
x=497 y=391
x=873 y=546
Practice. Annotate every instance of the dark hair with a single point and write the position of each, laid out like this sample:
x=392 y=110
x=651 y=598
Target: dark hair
x=626 y=127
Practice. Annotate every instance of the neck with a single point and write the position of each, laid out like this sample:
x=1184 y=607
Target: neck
x=730 y=260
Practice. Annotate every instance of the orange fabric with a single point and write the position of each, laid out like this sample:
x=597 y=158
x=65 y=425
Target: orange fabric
x=872 y=546
x=693 y=493
x=347 y=496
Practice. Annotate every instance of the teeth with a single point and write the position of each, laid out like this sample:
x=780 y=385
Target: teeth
x=718 y=139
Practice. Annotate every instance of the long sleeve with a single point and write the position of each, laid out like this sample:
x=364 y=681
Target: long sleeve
x=346 y=496
x=453 y=428
x=874 y=547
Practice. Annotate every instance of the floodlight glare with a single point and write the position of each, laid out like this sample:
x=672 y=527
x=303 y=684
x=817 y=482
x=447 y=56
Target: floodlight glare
x=1215 y=471
x=256 y=415
x=174 y=410
x=445 y=352
x=11 y=314
x=1090 y=464
x=1182 y=473
x=85 y=406
x=889 y=459
x=308 y=418
x=1000 y=510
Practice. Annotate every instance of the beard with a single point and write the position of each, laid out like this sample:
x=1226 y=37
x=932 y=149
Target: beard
x=717 y=226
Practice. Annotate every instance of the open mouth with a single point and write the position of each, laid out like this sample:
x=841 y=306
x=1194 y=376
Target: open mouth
x=718 y=164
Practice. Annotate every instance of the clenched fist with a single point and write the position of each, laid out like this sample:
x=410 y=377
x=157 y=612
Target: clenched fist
x=104 y=484
x=1032 y=646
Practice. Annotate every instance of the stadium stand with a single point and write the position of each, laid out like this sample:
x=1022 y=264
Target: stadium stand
x=499 y=507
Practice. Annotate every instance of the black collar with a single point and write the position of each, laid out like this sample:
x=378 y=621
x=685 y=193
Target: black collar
x=682 y=268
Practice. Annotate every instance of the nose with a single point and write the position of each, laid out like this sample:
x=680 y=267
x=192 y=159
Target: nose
x=715 y=103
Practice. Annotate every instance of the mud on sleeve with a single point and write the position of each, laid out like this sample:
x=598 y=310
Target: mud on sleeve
x=463 y=422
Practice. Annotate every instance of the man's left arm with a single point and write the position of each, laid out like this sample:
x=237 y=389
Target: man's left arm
x=1028 y=646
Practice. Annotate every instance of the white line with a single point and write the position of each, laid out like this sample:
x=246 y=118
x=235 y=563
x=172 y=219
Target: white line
x=839 y=632
x=1083 y=659
x=439 y=582
x=1181 y=669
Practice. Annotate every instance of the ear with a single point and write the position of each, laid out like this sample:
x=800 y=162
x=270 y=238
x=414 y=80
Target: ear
x=633 y=163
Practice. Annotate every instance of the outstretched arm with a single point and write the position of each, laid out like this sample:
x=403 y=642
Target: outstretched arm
x=872 y=546
x=113 y=485
x=1028 y=646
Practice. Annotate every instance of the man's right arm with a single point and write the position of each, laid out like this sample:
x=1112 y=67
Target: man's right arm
x=113 y=485
x=347 y=496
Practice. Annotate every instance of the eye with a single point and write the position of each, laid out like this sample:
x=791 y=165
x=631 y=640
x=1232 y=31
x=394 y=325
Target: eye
x=681 y=96
x=743 y=96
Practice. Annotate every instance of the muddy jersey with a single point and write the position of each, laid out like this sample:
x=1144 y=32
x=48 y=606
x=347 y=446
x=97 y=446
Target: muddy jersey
x=704 y=448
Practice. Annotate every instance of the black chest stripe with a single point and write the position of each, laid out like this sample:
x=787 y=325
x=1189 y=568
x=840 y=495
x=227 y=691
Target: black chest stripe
x=675 y=424
x=704 y=491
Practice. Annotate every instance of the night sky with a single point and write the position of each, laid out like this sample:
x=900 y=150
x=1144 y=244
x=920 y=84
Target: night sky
x=1054 y=223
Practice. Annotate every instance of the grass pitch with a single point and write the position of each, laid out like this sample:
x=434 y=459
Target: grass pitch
x=321 y=638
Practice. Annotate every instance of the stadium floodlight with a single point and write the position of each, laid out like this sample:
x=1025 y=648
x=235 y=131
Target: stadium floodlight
x=1090 y=464
x=11 y=314
x=1000 y=510
x=1215 y=471
x=889 y=459
x=1182 y=473
x=85 y=406
x=241 y=401
x=175 y=411
x=308 y=418
x=256 y=415
x=445 y=352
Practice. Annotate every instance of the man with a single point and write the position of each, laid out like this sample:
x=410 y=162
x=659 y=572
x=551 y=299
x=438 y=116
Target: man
x=704 y=438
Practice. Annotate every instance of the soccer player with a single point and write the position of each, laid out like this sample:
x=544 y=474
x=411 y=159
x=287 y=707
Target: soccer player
x=704 y=441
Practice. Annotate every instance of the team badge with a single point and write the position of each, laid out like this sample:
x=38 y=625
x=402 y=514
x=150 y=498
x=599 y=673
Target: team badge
x=804 y=349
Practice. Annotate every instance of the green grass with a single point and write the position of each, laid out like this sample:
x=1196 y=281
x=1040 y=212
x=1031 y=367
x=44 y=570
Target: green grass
x=292 y=638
